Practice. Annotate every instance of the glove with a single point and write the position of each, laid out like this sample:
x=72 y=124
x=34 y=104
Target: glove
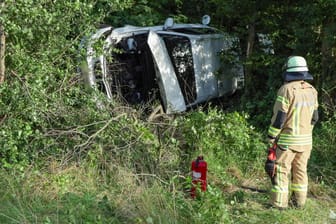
x=270 y=169
x=270 y=141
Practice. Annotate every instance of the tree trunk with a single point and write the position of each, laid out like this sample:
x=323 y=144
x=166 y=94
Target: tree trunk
x=328 y=63
x=250 y=40
x=249 y=51
x=2 y=53
x=327 y=82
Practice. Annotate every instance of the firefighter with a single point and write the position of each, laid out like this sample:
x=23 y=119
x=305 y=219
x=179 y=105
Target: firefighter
x=294 y=115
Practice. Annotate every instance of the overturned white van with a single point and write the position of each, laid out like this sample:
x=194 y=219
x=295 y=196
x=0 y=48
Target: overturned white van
x=181 y=64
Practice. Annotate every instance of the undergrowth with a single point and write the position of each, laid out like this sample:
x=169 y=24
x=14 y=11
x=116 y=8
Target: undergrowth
x=145 y=176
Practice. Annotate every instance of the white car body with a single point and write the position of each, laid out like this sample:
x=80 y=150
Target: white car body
x=181 y=61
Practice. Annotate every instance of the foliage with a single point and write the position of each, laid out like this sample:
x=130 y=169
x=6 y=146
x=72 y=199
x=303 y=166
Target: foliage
x=148 y=185
x=322 y=158
x=221 y=136
x=63 y=160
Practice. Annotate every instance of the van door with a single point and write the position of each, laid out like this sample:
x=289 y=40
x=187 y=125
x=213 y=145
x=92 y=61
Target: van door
x=169 y=87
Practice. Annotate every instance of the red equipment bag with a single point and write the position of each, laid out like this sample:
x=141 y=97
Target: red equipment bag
x=199 y=171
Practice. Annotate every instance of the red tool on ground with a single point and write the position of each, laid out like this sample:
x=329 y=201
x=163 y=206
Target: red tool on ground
x=199 y=172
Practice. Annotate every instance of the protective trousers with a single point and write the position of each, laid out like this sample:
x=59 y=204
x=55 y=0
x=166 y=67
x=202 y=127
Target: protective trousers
x=290 y=165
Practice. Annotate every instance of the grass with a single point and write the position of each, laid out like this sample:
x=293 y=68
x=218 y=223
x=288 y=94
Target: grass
x=79 y=193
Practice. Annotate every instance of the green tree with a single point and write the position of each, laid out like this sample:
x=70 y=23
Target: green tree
x=41 y=93
x=295 y=28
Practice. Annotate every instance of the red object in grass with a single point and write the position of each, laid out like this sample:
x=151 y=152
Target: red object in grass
x=199 y=175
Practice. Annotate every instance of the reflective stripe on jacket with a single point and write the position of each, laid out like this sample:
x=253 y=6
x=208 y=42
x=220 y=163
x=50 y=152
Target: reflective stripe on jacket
x=294 y=114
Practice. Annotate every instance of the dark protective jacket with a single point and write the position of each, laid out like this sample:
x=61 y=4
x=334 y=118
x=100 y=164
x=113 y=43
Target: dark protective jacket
x=294 y=115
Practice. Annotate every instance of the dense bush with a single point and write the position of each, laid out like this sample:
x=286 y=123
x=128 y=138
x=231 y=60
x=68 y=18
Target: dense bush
x=221 y=134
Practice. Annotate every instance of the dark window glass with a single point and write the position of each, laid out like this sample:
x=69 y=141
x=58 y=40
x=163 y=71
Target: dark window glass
x=179 y=50
x=195 y=31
